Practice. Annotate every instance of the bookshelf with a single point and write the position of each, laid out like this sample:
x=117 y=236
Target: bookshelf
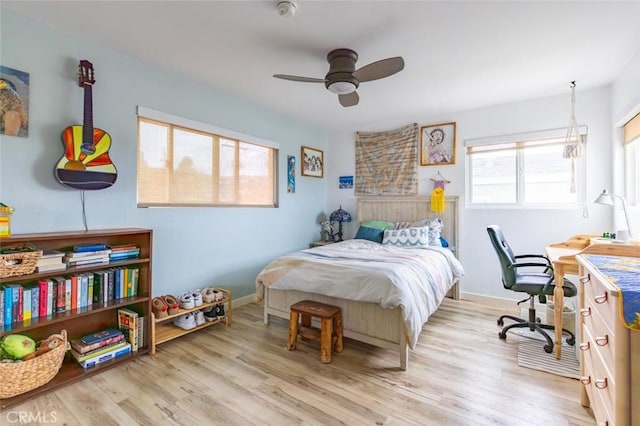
x=81 y=321
x=163 y=330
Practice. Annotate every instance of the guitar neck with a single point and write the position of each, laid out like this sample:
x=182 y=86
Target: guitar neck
x=87 y=124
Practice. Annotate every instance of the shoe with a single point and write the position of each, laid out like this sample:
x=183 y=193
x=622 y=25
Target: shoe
x=172 y=304
x=219 y=311
x=208 y=295
x=186 y=321
x=197 y=297
x=186 y=301
x=210 y=314
x=159 y=307
x=199 y=317
x=218 y=294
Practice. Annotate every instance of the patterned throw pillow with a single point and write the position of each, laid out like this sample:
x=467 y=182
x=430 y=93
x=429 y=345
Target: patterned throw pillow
x=407 y=237
x=435 y=226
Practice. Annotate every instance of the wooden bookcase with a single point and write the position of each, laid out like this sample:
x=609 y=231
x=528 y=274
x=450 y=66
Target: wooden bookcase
x=163 y=329
x=98 y=316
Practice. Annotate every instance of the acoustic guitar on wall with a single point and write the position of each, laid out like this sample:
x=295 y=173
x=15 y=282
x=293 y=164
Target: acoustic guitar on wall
x=86 y=163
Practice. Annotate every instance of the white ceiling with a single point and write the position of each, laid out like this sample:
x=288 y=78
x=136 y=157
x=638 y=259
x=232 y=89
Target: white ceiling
x=458 y=55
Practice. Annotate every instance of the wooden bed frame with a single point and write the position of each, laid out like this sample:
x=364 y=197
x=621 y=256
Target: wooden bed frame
x=364 y=321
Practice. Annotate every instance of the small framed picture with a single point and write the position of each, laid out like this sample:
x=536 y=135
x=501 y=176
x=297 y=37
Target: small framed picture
x=346 y=182
x=312 y=162
x=438 y=144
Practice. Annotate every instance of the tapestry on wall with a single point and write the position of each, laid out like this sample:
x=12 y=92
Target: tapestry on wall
x=387 y=162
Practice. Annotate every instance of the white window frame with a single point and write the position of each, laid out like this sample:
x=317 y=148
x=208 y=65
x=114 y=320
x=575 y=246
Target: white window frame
x=186 y=124
x=527 y=138
x=632 y=164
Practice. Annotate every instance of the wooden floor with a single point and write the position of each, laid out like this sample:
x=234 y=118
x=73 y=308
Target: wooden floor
x=459 y=374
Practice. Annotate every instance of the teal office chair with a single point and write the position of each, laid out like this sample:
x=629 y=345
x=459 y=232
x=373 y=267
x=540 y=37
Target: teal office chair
x=538 y=284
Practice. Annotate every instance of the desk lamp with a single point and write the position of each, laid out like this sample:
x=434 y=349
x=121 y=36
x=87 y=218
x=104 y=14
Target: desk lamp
x=608 y=199
x=340 y=216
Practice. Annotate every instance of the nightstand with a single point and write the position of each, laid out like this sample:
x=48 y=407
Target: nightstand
x=320 y=243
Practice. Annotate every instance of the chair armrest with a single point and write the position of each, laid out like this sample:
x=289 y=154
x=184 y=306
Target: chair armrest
x=536 y=256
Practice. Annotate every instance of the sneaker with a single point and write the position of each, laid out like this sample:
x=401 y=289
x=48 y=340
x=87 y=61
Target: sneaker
x=219 y=311
x=186 y=301
x=186 y=321
x=210 y=314
x=159 y=307
x=219 y=295
x=209 y=295
x=196 y=295
x=199 y=317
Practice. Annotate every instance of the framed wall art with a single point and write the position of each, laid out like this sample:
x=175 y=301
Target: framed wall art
x=14 y=102
x=291 y=174
x=438 y=144
x=312 y=162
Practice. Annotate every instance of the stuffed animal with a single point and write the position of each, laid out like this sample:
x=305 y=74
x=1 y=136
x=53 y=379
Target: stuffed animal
x=46 y=345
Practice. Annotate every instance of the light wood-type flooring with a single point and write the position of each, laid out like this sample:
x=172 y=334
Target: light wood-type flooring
x=459 y=374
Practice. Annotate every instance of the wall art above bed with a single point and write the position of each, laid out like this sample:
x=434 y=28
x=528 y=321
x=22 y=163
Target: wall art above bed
x=386 y=162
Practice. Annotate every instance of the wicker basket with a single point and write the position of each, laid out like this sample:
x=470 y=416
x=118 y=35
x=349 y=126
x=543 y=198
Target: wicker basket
x=20 y=377
x=22 y=263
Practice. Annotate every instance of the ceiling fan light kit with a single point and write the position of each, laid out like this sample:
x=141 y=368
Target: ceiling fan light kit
x=286 y=8
x=343 y=78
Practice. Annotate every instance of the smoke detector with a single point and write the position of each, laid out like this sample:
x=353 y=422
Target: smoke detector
x=286 y=8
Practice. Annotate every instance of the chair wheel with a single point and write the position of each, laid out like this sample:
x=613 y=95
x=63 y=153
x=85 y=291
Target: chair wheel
x=502 y=336
x=548 y=348
x=571 y=341
x=500 y=322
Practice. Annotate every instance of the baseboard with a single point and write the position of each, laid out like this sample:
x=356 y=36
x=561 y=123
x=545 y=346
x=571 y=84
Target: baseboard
x=493 y=301
x=245 y=300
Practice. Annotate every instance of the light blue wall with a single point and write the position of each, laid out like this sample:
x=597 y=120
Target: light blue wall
x=193 y=247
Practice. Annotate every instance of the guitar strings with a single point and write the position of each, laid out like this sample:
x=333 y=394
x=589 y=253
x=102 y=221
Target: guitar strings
x=84 y=211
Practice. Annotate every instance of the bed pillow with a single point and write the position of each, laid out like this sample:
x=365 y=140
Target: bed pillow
x=378 y=224
x=407 y=237
x=435 y=229
x=371 y=234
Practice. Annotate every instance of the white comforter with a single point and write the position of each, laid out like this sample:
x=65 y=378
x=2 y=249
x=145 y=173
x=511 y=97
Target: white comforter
x=414 y=279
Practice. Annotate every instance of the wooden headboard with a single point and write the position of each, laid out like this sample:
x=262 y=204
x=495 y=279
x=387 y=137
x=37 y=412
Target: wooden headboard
x=410 y=208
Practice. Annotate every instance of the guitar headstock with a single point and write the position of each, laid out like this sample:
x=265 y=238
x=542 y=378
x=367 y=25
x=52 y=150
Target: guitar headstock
x=86 y=75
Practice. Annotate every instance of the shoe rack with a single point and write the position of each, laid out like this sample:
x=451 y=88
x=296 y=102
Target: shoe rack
x=163 y=329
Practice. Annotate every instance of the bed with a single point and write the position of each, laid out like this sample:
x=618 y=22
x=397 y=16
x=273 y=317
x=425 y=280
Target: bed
x=366 y=321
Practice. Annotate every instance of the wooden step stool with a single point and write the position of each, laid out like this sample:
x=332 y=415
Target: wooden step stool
x=329 y=334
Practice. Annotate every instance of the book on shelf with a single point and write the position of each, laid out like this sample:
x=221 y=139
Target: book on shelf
x=59 y=266
x=99 y=359
x=87 y=254
x=78 y=248
x=86 y=262
x=83 y=348
x=99 y=336
x=97 y=352
x=123 y=247
x=128 y=325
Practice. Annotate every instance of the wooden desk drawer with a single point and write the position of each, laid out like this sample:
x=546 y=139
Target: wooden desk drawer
x=597 y=335
x=602 y=299
x=601 y=402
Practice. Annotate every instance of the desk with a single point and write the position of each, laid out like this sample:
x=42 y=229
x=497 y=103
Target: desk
x=563 y=257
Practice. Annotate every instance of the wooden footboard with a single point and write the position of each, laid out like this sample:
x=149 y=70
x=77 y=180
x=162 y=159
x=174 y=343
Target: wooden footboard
x=362 y=321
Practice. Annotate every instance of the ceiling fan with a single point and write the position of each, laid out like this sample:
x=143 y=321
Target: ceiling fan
x=344 y=79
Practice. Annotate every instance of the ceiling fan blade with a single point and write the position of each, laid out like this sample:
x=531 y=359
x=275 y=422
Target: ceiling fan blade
x=350 y=99
x=298 y=78
x=379 y=69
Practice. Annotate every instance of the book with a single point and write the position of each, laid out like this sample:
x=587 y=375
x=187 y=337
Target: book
x=89 y=247
x=102 y=258
x=108 y=348
x=123 y=247
x=86 y=254
x=128 y=325
x=92 y=362
x=52 y=267
x=99 y=336
x=141 y=335
x=83 y=348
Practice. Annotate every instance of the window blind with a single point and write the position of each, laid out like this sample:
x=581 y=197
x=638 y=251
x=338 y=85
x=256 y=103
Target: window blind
x=632 y=129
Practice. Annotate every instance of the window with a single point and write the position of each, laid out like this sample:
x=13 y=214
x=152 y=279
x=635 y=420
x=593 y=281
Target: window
x=631 y=136
x=184 y=163
x=523 y=170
